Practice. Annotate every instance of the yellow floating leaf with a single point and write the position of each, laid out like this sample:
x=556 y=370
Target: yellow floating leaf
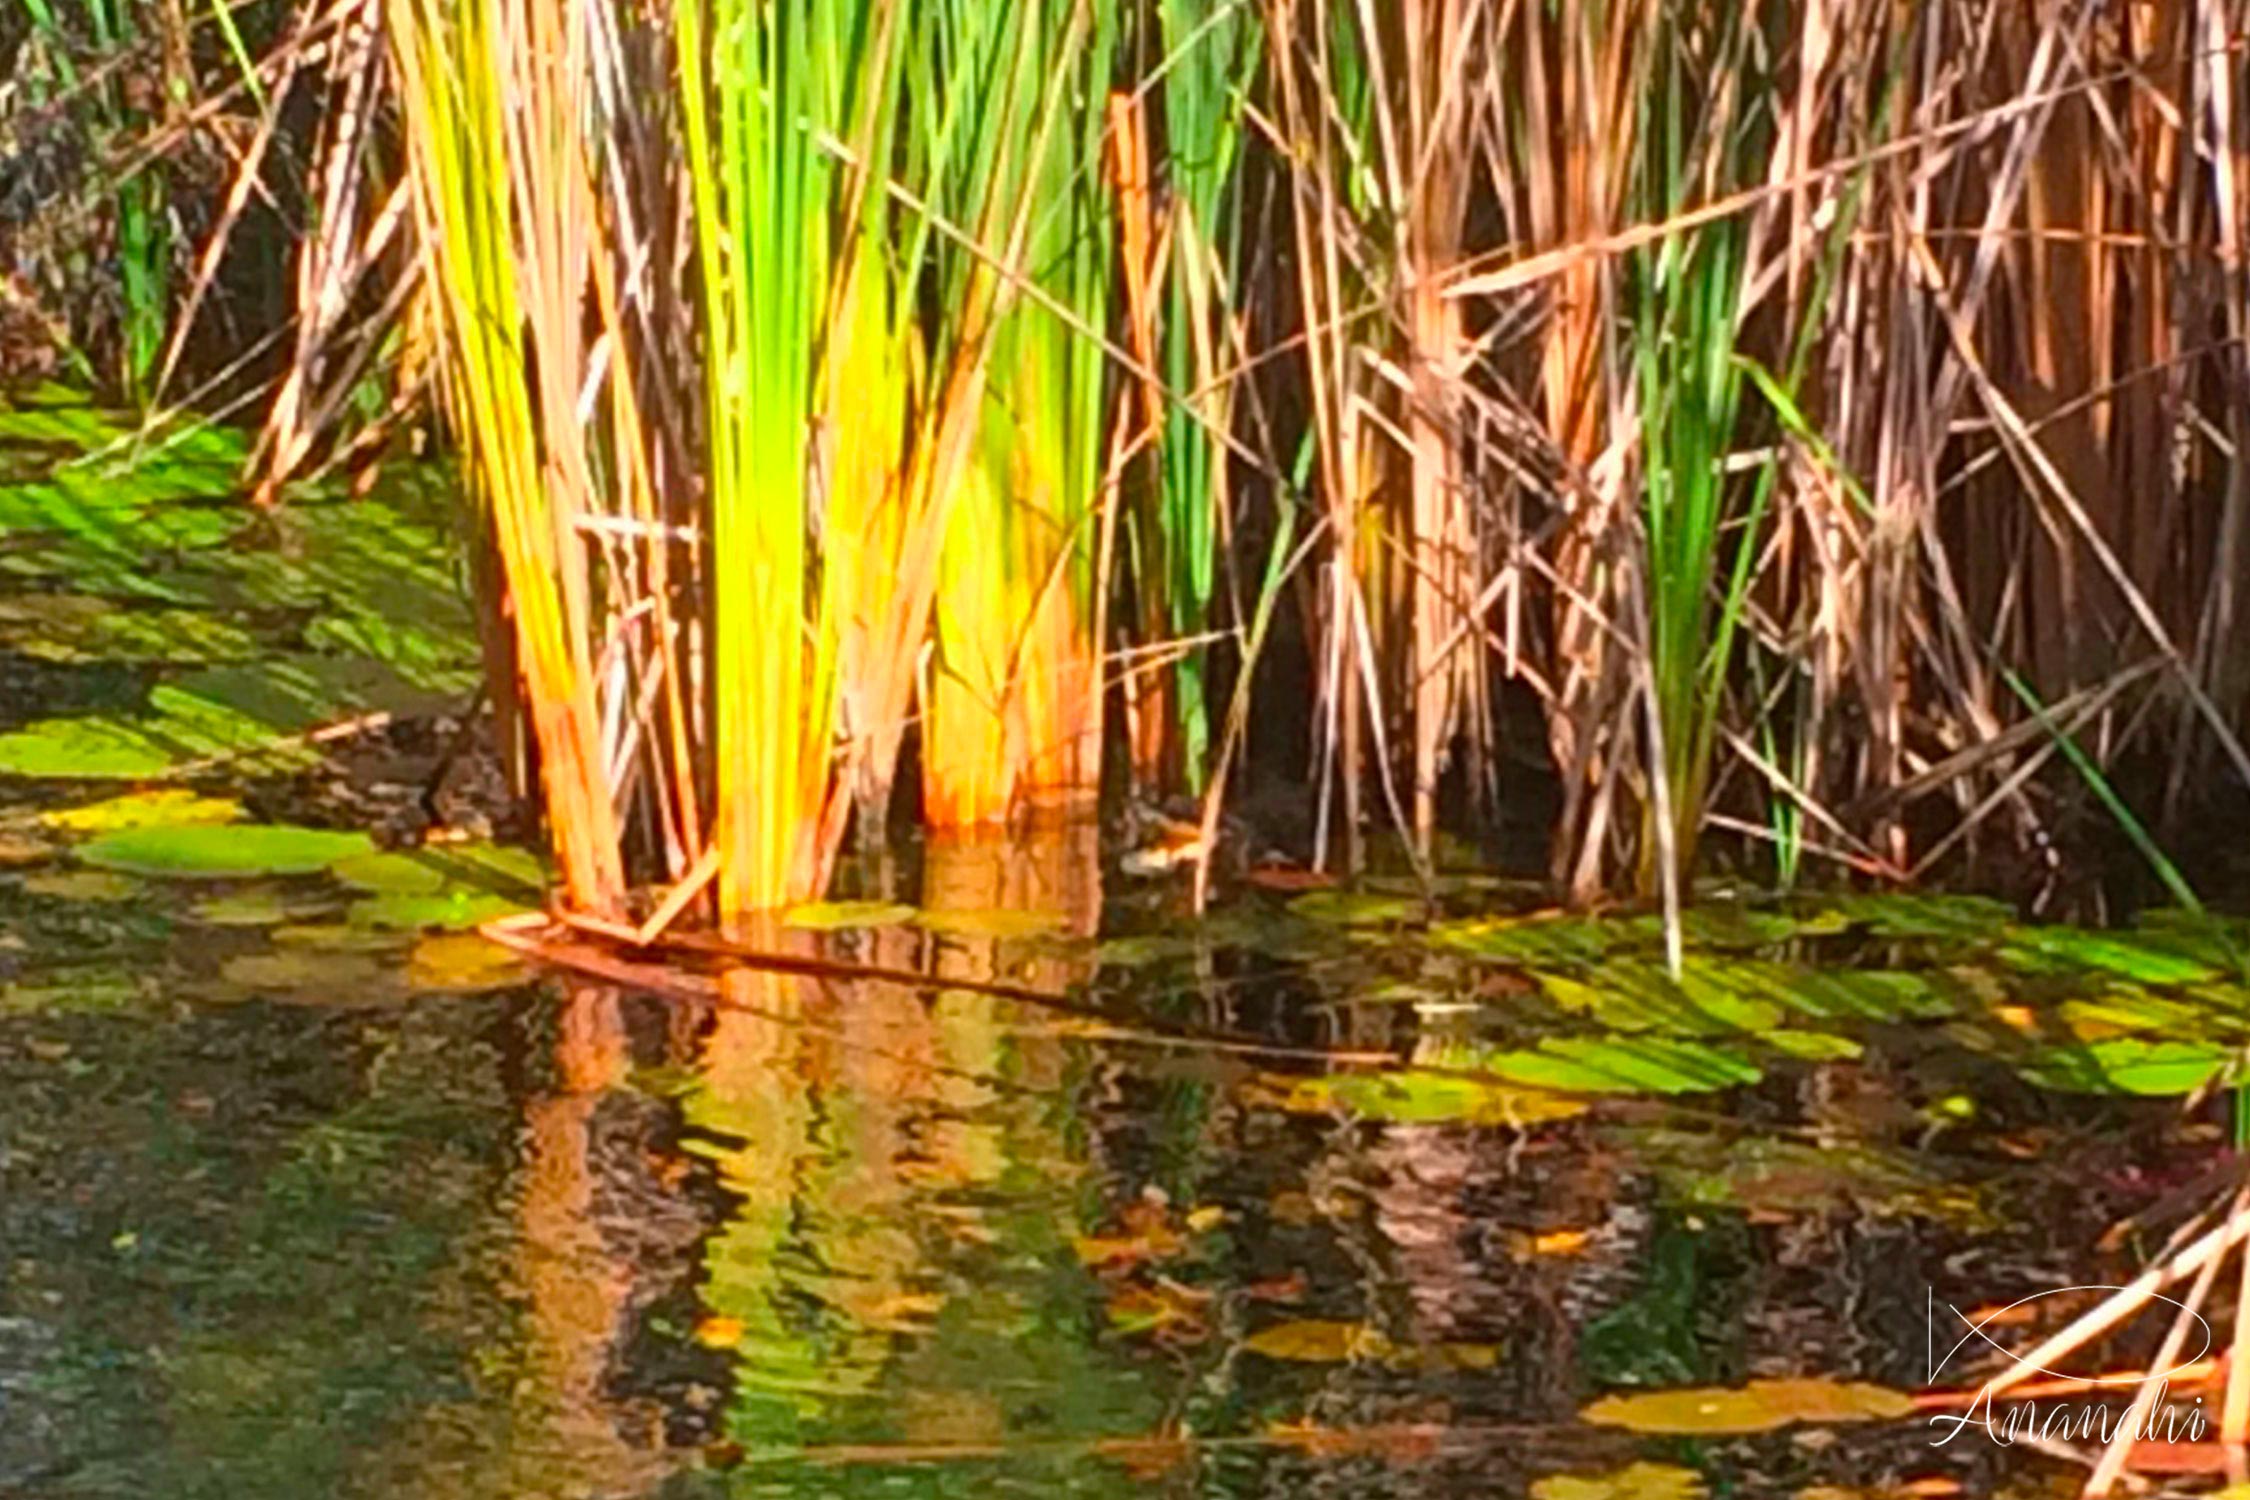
x=1559 y=1242
x=1319 y=1341
x=173 y=807
x=462 y=963
x=1642 y=1481
x=1110 y=1250
x=1760 y=1406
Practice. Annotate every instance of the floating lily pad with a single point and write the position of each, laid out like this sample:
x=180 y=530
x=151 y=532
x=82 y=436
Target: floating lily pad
x=421 y=872
x=1422 y=1097
x=1625 y=1065
x=85 y=749
x=1760 y=1406
x=81 y=885
x=165 y=807
x=2129 y=1065
x=450 y=910
x=338 y=937
x=222 y=852
x=461 y=963
x=1541 y=938
x=2064 y=950
x=252 y=908
x=1903 y=914
x=306 y=974
x=1813 y=1046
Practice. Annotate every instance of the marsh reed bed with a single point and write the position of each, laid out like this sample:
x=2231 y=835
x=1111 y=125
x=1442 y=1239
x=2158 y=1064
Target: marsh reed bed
x=1823 y=420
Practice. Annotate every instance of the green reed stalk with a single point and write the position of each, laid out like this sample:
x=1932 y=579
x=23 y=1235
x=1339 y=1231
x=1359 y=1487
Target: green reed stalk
x=1213 y=52
x=1689 y=384
x=1014 y=705
x=766 y=85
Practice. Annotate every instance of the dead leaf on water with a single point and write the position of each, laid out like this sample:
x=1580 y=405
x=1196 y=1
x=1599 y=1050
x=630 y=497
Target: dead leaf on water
x=1760 y=1406
x=1318 y=1341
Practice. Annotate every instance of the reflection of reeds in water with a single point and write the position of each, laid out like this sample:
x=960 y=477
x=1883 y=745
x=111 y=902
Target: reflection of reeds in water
x=846 y=1121
x=575 y=1287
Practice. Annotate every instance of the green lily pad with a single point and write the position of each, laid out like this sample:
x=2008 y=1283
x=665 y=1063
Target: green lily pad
x=1813 y=1046
x=2128 y=1065
x=82 y=749
x=207 y=852
x=2063 y=950
x=475 y=866
x=1625 y=1065
x=449 y=910
x=1420 y=1097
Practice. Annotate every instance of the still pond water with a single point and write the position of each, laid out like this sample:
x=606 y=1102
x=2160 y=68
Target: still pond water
x=306 y=1191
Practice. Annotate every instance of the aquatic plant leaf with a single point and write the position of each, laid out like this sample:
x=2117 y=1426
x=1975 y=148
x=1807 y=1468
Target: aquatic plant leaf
x=842 y=916
x=81 y=628
x=461 y=963
x=82 y=748
x=1907 y=914
x=1760 y=1406
x=1336 y=908
x=1813 y=1046
x=2130 y=1008
x=252 y=909
x=452 y=910
x=338 y=937
x=305 y=973
x=428 y=871
x=1541 y=938
x=2057 y=950
x=1718 y=926
x=1625 y=1065
x=2127 y=1064
x=1631 y=995
x=1318 y=1341
x=166 y=807
x=1428 y=1098
x=205 y=851
x=1638 y=1481
x=80 y=885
